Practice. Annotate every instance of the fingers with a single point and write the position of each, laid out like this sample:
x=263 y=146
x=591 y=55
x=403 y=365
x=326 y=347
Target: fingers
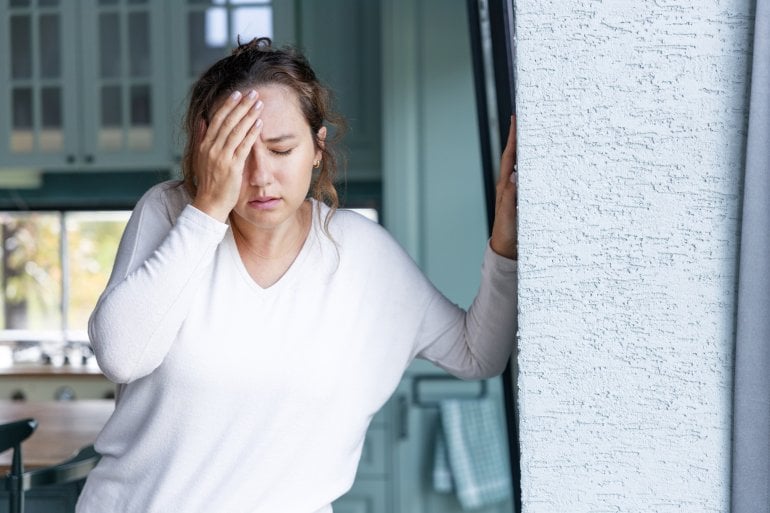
x=506 y=180
x=233 y=121
x=221 y=155
x=504 y=236
x=508 y=159
x=248 y=141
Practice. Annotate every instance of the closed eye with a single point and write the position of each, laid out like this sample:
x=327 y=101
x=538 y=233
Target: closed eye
x=282 y=153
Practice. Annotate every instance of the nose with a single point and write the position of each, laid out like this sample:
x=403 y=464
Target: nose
x=257 y=169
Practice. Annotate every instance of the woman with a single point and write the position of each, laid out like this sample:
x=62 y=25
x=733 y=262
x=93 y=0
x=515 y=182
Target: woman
x=254 y=332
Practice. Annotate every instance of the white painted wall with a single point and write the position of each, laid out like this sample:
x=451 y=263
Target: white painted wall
x=632 y=117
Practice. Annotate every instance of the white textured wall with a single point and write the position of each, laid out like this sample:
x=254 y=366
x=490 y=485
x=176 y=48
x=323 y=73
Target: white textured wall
x=632 y=119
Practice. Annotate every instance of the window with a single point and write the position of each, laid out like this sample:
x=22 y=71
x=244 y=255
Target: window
x=53 y=266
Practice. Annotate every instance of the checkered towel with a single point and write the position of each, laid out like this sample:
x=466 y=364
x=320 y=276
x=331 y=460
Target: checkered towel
x=471 y=455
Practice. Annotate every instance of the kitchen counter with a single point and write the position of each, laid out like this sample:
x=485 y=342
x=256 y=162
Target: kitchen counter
x=41 y=370
x=63 y=429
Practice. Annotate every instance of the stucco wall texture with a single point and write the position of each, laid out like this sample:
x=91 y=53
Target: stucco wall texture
x=632 y=120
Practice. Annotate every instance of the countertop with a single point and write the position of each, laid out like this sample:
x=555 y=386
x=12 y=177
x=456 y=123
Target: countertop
x=42 y=370
x=64 y=427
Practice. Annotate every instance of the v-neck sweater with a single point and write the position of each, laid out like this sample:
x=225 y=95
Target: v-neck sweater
x=238 y=398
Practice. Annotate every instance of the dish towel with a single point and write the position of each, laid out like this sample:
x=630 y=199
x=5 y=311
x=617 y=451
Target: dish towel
x=471 y=455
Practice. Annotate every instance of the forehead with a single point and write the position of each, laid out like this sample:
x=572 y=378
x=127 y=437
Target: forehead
x=281 y=106
x=278 y=97
x=281 y=111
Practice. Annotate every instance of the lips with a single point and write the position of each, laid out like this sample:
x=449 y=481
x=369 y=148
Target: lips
x=265 y=203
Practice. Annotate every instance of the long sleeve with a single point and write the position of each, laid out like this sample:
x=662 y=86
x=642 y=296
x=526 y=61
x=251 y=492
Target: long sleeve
x=159 y=264
x=475 y=344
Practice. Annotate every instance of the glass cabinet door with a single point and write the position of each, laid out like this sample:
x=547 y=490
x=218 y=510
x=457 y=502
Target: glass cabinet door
x=124 y=79
x=37 y=83
x=209 y=29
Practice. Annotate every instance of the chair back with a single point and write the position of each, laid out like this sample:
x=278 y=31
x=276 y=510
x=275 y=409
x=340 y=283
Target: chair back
x=73 y=469
x=14 y=433
x=11 y=437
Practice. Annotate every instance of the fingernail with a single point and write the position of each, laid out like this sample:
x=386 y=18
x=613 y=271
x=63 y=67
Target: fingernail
x=252 y=94
x=257 y=105
x=236 y=95
x=258 y=123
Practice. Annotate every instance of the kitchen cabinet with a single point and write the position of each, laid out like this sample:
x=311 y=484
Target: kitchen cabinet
x=342 y=40
x=102 y=85
x=52 y=499
x=201 y=32
x=339 y=37
x=84 y=85
x=373 y=488
x=414 y=449
x=395 y=471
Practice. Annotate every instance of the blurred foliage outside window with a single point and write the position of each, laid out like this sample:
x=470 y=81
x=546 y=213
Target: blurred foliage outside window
x=54 y=267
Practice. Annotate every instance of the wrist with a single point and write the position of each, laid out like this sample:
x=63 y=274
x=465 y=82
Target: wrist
x=212 y=210
x=506 y=250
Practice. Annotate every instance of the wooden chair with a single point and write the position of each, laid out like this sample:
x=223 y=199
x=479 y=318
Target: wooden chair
x=17 y=482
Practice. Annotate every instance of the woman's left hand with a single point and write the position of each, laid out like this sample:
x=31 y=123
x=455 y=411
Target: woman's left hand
x=504 y=236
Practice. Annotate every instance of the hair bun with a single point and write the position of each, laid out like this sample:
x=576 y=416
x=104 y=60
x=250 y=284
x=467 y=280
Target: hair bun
x=258 y=44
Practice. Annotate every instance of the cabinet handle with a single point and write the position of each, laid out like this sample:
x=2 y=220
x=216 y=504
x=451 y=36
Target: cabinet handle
x=70 y=159
x=403 y=417
x=89 y=159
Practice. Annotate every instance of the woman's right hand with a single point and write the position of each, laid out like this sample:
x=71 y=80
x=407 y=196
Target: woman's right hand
x=222 y=151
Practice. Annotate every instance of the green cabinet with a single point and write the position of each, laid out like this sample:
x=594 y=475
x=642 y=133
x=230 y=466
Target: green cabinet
x=102 y=85
x=84 y=84
x=200 y=32
x=342 y=40
x=373 y=488
x=51 y=499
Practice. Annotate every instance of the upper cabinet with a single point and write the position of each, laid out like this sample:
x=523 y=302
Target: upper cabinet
x=203 y=31
x=102 y=85
x=83 y=83
x=341 y=38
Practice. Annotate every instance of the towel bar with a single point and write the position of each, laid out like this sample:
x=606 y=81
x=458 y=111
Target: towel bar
x=418 y=392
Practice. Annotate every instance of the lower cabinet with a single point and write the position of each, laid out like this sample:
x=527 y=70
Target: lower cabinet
x=51 y=499
x=372 y=489
x=366 y=496
x=396 y=468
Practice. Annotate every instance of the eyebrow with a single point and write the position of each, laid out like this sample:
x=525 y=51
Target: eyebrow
x=280 y=138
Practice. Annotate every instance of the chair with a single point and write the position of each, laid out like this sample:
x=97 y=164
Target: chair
x=17 y=482
x=11 y=437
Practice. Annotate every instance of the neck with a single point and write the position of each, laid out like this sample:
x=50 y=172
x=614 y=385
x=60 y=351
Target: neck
x=273 y=243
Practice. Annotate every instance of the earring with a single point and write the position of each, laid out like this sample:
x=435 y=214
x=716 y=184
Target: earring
x=317 y=164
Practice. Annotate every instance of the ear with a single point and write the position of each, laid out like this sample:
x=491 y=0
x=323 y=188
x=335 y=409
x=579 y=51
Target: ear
x=320 y=141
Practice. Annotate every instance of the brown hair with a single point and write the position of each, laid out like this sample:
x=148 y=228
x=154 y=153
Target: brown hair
x=256 y=63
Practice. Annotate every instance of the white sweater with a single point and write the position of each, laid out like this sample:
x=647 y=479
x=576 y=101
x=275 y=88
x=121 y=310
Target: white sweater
x=236 y=398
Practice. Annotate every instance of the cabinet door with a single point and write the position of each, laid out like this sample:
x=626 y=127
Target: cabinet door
x=50 y=499
x=203 y=31
x=38 y=83
x=342 y=41
x=414 y=453
x=367 y=496
x=124 y=77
